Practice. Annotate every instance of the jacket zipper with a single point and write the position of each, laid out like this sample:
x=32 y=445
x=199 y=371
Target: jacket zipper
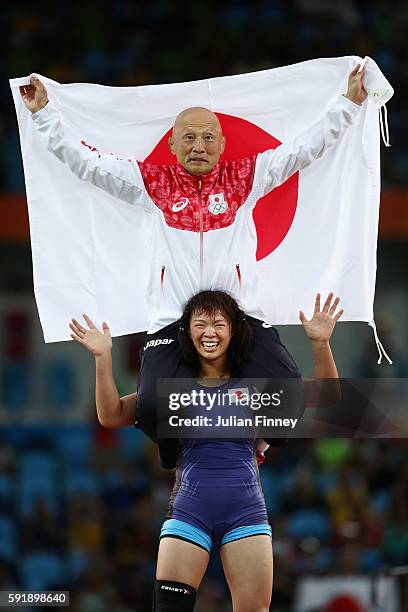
x=201 y=236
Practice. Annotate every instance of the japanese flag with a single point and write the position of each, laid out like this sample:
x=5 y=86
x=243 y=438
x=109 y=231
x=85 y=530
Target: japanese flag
x=317 y=232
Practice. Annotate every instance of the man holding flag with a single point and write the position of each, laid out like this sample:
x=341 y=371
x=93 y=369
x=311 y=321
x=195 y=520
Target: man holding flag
x=203 y=234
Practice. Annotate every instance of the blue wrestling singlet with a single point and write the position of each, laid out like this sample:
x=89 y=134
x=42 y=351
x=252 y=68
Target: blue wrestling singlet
x=217 y=496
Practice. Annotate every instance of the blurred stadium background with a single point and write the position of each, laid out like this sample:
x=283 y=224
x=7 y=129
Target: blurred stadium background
x=81 y=506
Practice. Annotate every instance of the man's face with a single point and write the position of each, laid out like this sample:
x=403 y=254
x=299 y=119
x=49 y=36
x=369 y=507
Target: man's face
x=197 y=140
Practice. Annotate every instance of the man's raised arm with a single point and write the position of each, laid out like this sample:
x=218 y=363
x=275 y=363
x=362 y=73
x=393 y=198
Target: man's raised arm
x=119 y=177
x=275 y=166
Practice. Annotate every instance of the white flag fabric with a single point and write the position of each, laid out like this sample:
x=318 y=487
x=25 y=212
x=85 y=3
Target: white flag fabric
x=317 y=233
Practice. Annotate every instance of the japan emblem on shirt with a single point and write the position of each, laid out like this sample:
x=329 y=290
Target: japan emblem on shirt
x=217 y=204
x=238 y=395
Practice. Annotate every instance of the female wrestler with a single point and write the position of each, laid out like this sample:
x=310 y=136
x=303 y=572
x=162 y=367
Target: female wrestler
x=217 y=495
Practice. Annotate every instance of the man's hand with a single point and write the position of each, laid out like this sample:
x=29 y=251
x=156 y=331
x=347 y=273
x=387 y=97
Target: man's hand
x=356 y=92
x=35 y=95
x=320 y=327
x=99 y=343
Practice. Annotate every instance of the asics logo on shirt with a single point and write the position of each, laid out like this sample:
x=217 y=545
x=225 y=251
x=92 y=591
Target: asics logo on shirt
x=217 y=204
x=266 y=325
x=179 y=205
x=158 y=341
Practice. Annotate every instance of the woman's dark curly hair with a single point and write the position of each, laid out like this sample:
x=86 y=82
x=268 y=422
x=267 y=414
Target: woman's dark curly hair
x=209 y=302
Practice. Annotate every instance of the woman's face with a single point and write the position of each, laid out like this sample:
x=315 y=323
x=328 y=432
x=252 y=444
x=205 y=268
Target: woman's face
x=211 y=334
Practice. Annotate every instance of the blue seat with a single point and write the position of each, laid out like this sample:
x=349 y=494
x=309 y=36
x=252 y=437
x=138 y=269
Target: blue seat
x=32 y=488
x=324 y=560
x=75 y=444
x=371 y=559
x=15 y=384
x=37 y=464
x=8 y=539
x=41 y=570
x=381 y=501
x=304 y=523
x=133 y=442
x=60 y=388
x=7 y=490
x=77 y=562
x=31 y=436
x=326 y=481
x=79 y=480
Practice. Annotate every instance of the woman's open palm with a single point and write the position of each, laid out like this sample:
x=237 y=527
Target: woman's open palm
x=321 y=325
x=97 y=342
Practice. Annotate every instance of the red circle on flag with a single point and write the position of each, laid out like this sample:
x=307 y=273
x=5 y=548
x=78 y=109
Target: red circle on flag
x=274 y=213
x=343 y=603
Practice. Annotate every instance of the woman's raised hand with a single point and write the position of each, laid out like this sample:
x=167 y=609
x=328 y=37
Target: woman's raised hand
x=97 y=342
x=35 y=95
x=321 y=325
